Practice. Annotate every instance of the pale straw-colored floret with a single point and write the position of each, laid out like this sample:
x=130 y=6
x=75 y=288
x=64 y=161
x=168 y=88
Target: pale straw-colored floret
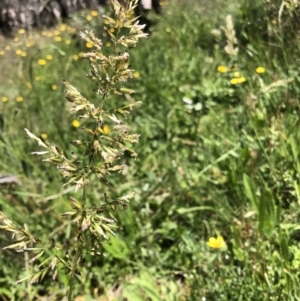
x=291 y=5
x=229 y=32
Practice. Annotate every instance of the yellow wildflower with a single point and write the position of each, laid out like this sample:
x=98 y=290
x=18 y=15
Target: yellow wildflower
x=260 y=69
x=4 y=98
x=237 y=80
x=136 y=74
x=216 y=243
x=44 y=136
x=56 y=32
x=21 y=31
x=62 y=27
x=222 y=69
x=237 y=74
x=37 y=78
x=88 y=45
x=42 y=62
x=76 y=123
x=112 y=29
x=108 y=44
x=104 y=130
x=89 y=18
x=24 y=54
x=19 y=51
x=68 y=42
x=71 y=30
x=75 y=57
x=49 y=57
x=2 y=52
x=94 y=13
x=7 y=47
x=234 y=81
x=16 y=39
x=19 y=99
x=58 y=39
x=54 y=87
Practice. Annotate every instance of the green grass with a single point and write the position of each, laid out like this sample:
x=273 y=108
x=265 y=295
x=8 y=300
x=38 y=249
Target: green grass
x=214 y=158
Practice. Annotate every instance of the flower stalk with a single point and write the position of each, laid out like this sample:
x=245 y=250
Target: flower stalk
x=99 y=154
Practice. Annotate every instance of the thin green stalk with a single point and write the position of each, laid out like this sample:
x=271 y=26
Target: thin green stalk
x=79 y=246
x=103 y=152
x=28 y=286
x=74 y=265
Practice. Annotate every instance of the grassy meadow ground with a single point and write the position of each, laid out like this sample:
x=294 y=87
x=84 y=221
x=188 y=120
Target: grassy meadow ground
x=219 y=154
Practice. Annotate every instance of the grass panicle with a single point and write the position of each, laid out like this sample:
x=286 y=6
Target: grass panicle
x=100 y=154
x=213 y=196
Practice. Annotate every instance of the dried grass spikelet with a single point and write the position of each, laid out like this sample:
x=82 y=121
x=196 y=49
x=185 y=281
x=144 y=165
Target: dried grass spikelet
x=291 y=5
x=216 y=32
x=230 y=48
x=279 y=83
